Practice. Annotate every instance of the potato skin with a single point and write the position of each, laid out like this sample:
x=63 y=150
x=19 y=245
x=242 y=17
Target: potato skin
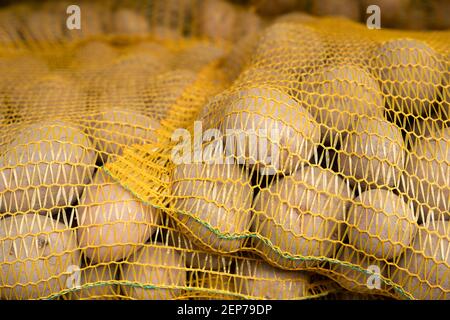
x=338 y=96
x=220 y=195
x=373 y=154
x=115 y=128
x=410 y=73
x=127 y=21
x=158 y=266
x=427 y=177
x=292 y=133
x=290 y=47
x=428 y=262
x=380 y=223
x=218 y=20
x=33 y=249
x=302 y=215
x=112 y=223
x=45 y=167
x=260 y=280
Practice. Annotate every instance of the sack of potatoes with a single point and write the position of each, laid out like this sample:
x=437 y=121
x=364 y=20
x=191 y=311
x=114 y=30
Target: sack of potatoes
x=323 y=151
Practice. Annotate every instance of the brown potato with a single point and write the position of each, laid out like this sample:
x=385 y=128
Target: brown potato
x=410 y=74
x=287 y=134
x=130 y=22
x=218 y=19
x=373 y=155
x=45 y=167
x=218 y=194
x=158 y=266
x=380 y=223
x=36 y=257
x=290 y=47
x=52 y=95
x=198 y=258
x=115 y=128
x=302 y=215
x=424 y=269
x=239 y=56
x=93 y=56
x=257 y=279
x=427 y=177
x=112 y=222
x=338 y=96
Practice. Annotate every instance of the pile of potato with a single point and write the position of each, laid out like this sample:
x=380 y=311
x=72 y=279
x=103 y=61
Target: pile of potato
x=359 y=171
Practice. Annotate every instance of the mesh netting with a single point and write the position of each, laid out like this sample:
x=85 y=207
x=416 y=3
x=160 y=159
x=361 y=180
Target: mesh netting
x=193 y=150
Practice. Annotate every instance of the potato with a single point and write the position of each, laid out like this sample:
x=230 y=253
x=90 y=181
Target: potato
x=138 y=63
x=302 y=215
x=287 y=134
x=198 y=258
x=349 y=9
x=410 y=73
x=115 y=128
x=36 y=256
x=92 y=277
x=93 y=56
x=158 y=266
x=218 y=19
x=427 y=176
x=424 y=269
x=247 y=23
x=380 y=223
x=372 y=155
x=218 y=194
x=257 y=279
x=198 y=56
x=212 y=286
x=355 y=280
x=130 y=22
x=339 y=96
x=291 y=47
x=45 y=167
x=53 y=95
x=425 y=128
x=112 y=222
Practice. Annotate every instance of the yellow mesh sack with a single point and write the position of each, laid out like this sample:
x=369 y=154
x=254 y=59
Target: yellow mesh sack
x=210 y=154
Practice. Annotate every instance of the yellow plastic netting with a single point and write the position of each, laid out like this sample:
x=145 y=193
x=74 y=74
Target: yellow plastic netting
x=193 y=150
